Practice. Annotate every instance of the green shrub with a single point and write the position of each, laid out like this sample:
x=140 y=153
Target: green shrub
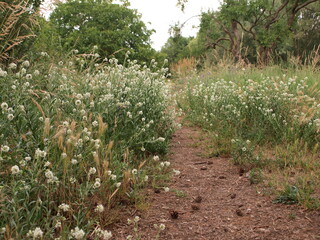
x=74 y=140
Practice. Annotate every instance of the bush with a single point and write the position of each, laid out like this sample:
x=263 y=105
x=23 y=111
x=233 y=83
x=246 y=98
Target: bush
x=74 y=140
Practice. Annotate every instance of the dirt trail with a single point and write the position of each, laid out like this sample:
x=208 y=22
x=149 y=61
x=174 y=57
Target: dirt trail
x=230 y=207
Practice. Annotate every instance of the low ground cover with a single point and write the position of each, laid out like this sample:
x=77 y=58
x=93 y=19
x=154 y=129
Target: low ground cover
x=267 y=121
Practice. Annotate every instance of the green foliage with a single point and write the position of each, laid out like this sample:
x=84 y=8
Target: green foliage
x=113 y=28
x=255 y=175
x=74 y=136
x=288 y=196
x=280 y=117
x=176 y=48
x=307 y=34
x=243 y=154
x=47 y=40
x=266 y=109
x=253 y=31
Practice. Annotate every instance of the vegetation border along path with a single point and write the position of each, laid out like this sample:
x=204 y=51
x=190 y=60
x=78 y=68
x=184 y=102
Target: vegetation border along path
x=211 y=199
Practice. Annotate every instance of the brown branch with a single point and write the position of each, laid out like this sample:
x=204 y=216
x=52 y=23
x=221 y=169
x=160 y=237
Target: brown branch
x=297 y=8
x=248 y=31
x=217 y=44
x=222 y=39
x=305 y=4
x=276 y=14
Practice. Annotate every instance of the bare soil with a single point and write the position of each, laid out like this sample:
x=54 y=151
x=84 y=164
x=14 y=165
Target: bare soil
x=216 y=202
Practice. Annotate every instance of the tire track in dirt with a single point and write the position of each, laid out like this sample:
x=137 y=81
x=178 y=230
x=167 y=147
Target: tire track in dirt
x=230 y=207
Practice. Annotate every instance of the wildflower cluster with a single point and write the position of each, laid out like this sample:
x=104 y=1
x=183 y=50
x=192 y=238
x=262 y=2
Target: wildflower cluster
x=267 y=109
x=72 y=131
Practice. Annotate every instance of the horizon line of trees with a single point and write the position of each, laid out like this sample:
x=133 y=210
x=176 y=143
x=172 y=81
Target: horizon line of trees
x=250 y=31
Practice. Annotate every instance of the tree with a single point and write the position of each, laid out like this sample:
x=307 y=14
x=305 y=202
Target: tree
x=267 y=24
x=176 y=46
x=113 y=28
x=307 y=34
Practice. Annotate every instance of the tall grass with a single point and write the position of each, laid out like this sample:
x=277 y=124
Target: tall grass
x=76 y=140
x=16 y=23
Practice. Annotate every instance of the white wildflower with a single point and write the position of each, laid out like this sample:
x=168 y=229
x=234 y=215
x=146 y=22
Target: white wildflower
x=74 y=161
x=104 y=234
x=40 y=153
x=36 y=73
x=162 y=226
x=22 y=163
x=73 y=180
x=10 y=117
x=136 y=219
x=47 y=164
x=3 y=73
x=99 y=208
x=49 y=174
x=12 y=66
x=92 y=170
x=26 y=64
x=4 y=106
x=37 y=233
x=97 y=184
x=15 y=169
x=176 y=172
x=95 y=123
x=64 y=207
x=77 y=233
x=5 y=148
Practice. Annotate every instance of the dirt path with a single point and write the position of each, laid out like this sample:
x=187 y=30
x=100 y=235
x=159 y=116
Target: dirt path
x=230 y=208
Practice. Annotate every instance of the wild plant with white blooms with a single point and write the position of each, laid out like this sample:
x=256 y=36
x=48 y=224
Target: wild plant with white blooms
x=73 y=141
x=263 y=109
x=268 y=124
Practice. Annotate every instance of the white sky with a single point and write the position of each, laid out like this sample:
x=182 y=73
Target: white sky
x=164 y=13
x=161 y=14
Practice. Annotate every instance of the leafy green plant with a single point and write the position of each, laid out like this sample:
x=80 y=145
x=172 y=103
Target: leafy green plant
x=288 y=196
x=77 y=139
x=255 y=176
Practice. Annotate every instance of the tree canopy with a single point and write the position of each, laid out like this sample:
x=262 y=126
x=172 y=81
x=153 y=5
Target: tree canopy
x=113 y=28
x=255 y=30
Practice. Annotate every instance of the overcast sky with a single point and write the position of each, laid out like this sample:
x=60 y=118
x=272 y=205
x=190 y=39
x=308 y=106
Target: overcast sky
x=161 y=14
